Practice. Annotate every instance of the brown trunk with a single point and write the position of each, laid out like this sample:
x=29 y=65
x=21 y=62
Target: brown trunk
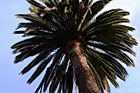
x=84 y=74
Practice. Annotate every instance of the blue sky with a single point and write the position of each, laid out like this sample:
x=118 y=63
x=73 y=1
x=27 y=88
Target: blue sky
x=12 y=82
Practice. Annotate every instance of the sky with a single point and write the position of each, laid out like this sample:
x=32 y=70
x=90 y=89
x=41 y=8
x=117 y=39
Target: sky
x=10 y=79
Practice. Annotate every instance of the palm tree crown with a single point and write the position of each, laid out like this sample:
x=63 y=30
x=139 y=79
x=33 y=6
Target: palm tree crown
x=51 y=27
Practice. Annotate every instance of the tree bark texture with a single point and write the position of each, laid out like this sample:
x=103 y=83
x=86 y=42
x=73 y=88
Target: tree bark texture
x=84 y=74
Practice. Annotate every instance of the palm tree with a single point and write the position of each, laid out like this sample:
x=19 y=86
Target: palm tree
x=75 y=45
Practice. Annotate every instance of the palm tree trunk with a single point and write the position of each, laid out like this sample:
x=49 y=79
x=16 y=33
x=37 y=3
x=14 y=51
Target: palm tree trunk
x=84 y=74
